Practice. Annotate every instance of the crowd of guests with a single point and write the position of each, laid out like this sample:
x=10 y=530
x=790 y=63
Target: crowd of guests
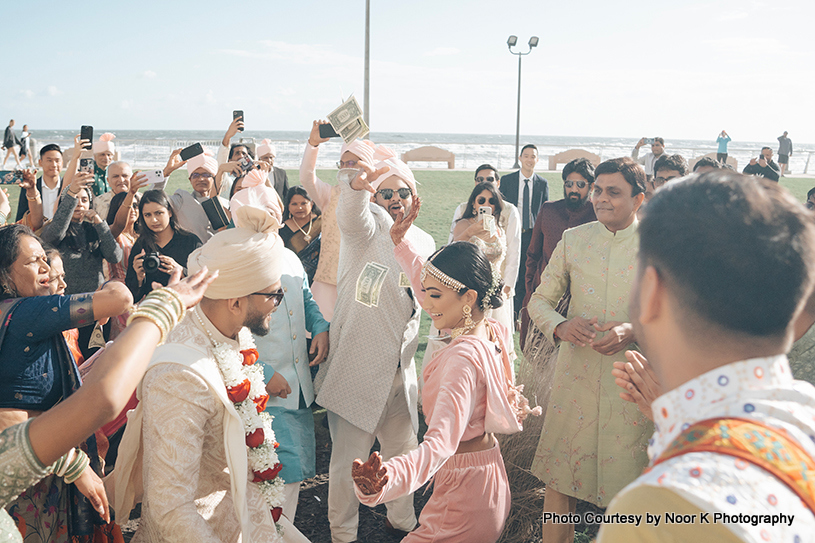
x=619 y=268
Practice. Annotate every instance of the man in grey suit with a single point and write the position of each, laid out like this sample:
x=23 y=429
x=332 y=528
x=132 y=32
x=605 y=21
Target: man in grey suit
x=527 y=191
x=266 y=152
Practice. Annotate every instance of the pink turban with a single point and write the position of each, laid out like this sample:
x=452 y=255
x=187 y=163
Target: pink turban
x=204 y=160
x=254 y=178
x=265 y=147
x=249 y=258
x=104 y=144
x=258 y=196
x=364 y=149
x=387 y=157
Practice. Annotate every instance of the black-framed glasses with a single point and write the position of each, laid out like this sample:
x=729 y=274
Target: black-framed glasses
x=404 y=193
x=350 y=164
x=482 y=200
x=276 y=296
x=482 y=179
x=580 y=184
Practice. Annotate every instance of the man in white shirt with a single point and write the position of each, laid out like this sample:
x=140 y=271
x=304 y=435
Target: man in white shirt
x=648 y=161
x=49 y=184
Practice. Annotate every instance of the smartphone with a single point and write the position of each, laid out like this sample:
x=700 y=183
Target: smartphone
x=11 y=177
x=86 y=165
x=484 y=210
x=154 y=176
x=649 y=141
x=193 y=150
x=86 y=133
x=327 y=131
x=246 y=164
x=489 y=222
x=238 y=113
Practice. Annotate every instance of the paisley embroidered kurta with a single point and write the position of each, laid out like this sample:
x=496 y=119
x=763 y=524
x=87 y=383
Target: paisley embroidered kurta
x=593 y=442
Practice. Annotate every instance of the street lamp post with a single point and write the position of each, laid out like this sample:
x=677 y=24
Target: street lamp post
x=533 y=42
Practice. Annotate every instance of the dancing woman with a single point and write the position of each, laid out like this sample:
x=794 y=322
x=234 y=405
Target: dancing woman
x=468 y=396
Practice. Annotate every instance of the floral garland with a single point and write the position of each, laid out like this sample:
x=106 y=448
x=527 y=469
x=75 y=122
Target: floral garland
x=247 y=390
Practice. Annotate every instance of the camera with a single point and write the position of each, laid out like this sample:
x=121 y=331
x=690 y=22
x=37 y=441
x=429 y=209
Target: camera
x=151 y=263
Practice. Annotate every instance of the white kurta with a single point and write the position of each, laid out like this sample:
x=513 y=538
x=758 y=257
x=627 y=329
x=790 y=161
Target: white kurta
x=185 y=447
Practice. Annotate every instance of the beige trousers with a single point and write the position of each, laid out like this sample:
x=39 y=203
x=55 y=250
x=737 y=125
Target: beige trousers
x=396 y=436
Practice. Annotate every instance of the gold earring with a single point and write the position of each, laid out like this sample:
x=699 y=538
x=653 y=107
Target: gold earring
x=467 y=311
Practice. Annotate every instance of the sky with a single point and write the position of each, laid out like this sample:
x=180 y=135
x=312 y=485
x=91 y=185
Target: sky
x=679 y=69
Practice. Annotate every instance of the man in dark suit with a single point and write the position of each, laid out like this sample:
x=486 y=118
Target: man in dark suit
x=49 y=185
x=527 y=191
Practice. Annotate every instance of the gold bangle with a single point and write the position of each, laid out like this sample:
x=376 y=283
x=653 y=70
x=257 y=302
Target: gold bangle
x=30 y=199
x=138 y=314
x=77 y=467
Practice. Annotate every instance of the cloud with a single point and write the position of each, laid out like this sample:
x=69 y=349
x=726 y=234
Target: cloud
x=53 y=91
x=442 y=51
x=28 y=93
x=149 y=74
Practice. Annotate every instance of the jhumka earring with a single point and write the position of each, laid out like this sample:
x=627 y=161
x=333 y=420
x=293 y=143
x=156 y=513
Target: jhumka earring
x=467 y=311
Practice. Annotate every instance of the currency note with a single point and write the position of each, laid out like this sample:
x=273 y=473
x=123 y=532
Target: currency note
x=369 y=284
x=404 y=282
x=347 y=120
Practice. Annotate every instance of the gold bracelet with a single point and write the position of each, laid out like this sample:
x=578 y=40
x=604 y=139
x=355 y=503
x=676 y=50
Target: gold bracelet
x=30 y=199
x=142 y=315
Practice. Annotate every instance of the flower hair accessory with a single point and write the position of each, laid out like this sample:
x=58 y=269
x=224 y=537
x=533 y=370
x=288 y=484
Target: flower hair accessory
x=441 y=277
x=496 y=280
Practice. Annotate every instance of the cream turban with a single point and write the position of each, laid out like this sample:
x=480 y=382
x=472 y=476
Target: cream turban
x=364 y=149
x=104 y=144
x=260 y=196
x=203 y=160
x=264 y=148
x=249 y=258
x=398 y=168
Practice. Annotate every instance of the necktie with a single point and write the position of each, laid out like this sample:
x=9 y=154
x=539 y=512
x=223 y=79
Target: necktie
x=525 y=203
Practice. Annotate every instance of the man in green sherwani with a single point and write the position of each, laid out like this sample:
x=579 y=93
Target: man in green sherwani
x=593 y=442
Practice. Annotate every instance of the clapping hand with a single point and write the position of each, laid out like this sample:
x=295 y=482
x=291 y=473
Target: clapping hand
x=371 y=477
x=639 y=381
x=403 y=222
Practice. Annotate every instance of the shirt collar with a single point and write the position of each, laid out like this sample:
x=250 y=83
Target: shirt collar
x=213 y=332
x=708 y=395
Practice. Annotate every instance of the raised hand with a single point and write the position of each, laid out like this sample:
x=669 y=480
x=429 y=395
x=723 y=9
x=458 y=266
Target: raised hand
x=192 y=288
x=366 y=176
x=637 y=378
x=174 y=162
x=403 y=222
x=371 y=477
x=314 y=138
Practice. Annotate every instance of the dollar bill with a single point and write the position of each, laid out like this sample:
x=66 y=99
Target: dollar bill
x=369 y=284
x=347 y=121
x=404 y=282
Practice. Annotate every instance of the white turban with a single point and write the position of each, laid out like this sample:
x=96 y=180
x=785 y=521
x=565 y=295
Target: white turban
x=398 y=168
x=204 y=160
x=265 y=147
x=249 y=258
x=104 y=144
x=364 y=149
x=259 y=196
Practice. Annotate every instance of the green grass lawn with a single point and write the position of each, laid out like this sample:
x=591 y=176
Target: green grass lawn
x=441 y=192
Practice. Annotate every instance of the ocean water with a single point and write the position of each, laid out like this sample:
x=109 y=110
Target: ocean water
x=150 y=148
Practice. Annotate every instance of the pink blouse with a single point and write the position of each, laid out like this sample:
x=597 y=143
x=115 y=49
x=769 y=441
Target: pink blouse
x=465 y=394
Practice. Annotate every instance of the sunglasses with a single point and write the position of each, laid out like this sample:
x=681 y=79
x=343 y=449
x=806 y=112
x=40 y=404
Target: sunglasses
x=580 y=184
x=205 y=175
x=403 y=193
x=350 y=164
x=481 y=179
x=481 y=201
x=276 y=297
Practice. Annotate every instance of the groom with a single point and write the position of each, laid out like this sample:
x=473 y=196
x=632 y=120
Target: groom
x=186 y=443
